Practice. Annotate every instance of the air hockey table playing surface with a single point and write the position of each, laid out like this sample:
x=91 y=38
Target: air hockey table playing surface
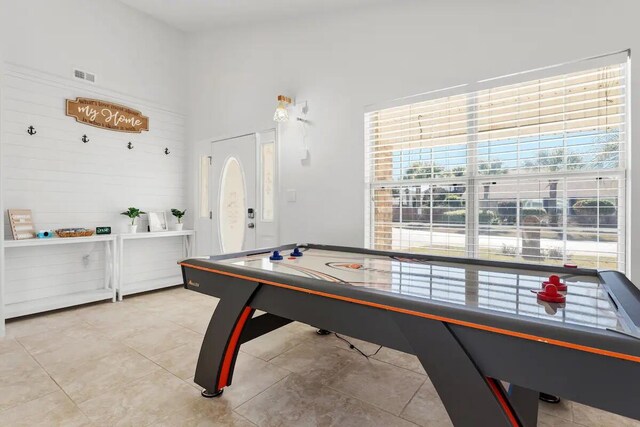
x=500 y=289
x=490 y=310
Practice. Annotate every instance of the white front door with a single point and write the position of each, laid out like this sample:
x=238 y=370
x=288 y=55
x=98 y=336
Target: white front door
x=233 y=167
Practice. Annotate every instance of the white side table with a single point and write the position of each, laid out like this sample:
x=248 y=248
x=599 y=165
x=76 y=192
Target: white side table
x=188 y=238
x=38 y=305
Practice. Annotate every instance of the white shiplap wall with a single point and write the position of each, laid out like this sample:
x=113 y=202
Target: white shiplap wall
x=67 y=183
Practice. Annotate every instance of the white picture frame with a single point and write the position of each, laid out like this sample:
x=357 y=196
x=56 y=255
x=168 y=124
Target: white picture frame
x=157 y=221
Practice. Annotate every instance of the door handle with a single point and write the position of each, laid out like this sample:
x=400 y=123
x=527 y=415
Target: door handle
x=251 y=225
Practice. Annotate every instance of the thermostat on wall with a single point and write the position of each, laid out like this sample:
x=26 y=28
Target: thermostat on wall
x=103 y=230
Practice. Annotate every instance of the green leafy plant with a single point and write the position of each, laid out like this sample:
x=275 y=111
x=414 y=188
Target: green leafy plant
x=509 y=250
x=590 y=207
x=539 y=212
x=554 y=253
x=507 y=211
x=488 y=217
x=458 y=216
x=132 y=213
x=454 y=200
x=178 y=214
x=455 y=217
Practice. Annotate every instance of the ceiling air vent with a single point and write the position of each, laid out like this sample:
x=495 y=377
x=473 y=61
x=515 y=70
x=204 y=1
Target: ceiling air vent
x=83 y=75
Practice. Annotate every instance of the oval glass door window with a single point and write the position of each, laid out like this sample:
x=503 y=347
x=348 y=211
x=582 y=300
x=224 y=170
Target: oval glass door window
x=232 y=206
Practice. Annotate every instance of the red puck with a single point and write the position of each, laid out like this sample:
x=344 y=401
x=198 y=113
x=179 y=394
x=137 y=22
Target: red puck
x=555 y=280
x=550 y=294
x=569 y=265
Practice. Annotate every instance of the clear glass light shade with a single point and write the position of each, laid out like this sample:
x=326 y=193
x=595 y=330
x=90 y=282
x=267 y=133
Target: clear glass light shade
x=281 y=114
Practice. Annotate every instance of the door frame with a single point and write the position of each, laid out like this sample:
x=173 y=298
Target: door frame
x=269 y=228
x=204 y=228
x=242 y=148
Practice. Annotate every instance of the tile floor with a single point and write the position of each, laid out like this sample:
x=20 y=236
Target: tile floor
x=132 y=364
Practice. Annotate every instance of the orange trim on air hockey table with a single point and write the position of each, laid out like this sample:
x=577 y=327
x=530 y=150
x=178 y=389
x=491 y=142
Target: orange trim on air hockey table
x=231 y=348
x=493 y=329
x=496 y=389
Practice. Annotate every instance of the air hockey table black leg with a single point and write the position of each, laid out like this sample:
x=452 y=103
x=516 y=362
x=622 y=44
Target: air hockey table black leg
x=525 y=403
x=209 y=395
x=549 y=398
x=470 y=398
x=221 y=342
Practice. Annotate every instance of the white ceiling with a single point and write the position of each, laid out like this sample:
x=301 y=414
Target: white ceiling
x=197 y=15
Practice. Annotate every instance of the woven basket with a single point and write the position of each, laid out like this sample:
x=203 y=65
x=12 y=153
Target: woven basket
x=74 y=233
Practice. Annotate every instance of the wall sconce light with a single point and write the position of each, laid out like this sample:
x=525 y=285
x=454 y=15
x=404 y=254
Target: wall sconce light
x=281 y=114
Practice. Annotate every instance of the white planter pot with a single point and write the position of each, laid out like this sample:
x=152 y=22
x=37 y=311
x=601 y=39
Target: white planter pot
x=133 y=228
x=179 y=226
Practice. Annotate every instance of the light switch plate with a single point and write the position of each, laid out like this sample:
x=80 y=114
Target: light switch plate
x=291 y=195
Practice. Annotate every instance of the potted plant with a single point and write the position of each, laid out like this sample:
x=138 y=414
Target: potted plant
x=133 y=213
x=178 y=214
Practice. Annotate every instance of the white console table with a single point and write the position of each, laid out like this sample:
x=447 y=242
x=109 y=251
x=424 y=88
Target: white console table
x=38 y=305
x=188 y=238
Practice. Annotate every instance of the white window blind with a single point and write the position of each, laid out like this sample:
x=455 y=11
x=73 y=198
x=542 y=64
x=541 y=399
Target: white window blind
x=528 y=171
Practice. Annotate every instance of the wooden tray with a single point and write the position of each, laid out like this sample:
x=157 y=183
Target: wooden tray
x=74 y=233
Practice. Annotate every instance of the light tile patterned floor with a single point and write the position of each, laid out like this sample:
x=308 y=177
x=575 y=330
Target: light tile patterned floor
x=132 y=364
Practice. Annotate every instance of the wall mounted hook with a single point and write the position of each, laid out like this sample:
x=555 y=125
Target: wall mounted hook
x=130 y=146
x=166 y=151
x=85 y=139
x=31 y=130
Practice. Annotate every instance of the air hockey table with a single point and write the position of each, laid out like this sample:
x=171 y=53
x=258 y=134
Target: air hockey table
x=474 y=325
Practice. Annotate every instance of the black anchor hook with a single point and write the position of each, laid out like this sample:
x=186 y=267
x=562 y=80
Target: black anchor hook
x=31 y=130
x=130 y=146
x=166 y=151
x=85 y=139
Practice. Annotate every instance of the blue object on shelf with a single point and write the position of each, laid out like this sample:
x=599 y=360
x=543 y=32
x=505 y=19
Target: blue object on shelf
x=276 y=256
x=44 y=234
x=296 y=252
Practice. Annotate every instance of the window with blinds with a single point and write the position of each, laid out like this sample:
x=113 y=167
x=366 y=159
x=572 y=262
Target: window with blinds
x=531 y=171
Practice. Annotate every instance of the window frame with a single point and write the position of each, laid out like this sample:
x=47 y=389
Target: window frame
x=472 y=178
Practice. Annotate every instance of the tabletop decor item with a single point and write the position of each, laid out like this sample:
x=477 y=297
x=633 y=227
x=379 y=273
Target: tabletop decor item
x=178 y=214
x=21 y=224
x=74 y=232
x=103 y=230
x=44 y=234
x=157 y=221
x=132 y=213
